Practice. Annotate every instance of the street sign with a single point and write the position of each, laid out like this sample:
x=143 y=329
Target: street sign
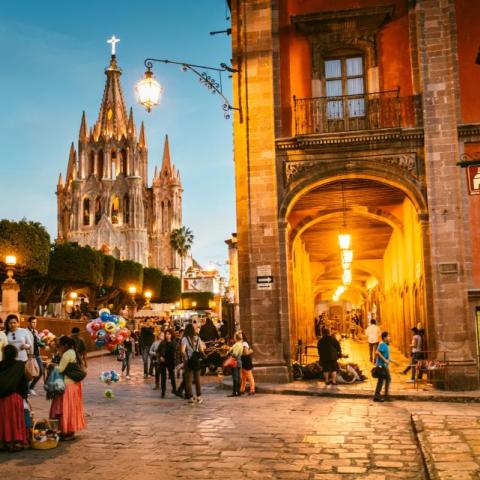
x=265 y=282
x=473 y=179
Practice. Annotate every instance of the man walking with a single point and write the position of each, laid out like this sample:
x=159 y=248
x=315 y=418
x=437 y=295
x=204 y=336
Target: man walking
x=382 y=364
x=373 y=335
x=147 y=337
x=416 y=347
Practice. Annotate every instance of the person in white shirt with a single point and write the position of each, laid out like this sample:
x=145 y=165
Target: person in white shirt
x=21 y=338
x=3 y=340
x=373 y=337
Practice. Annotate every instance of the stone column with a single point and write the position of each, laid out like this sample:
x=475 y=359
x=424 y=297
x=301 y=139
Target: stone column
x=10 y=289
x=449 y=240
x=263 y=314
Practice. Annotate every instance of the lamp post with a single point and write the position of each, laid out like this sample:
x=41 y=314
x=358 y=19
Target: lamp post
x=132 y=305
x=148 y=297
x=10 y=288
x=149 y=90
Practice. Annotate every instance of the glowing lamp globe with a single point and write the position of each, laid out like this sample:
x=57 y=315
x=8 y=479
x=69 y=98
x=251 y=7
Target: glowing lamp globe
x=344 y=241
x=347 y=256
x=347 y=277
x=73 y=295
x=132 y=290
x=148 y=294
x=148 y=91
x=11 y=260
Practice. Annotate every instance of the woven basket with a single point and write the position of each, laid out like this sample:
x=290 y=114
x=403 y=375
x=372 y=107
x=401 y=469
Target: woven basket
x=48 y=443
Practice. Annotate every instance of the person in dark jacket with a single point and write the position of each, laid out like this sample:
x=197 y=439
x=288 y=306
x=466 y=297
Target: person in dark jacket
x=329 y=351
x=167 y=352
x=147 y=337
x=209 y=332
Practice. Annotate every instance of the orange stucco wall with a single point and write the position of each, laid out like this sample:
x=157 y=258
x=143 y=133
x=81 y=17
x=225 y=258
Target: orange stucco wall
x=468 y=37
x=295 y=52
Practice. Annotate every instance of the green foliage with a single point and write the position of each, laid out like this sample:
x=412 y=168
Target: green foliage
x=201 y=298
x=72 y=264
x=108 y=270
x=170 y=289
x=128 y=273
x=29 y=242
x=152 y=280
x=181 y=240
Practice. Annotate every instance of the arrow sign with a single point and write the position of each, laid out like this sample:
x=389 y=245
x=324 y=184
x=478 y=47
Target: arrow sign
x=265 y=279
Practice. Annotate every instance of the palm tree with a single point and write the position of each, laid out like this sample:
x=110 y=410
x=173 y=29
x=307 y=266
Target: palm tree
x=181 y=240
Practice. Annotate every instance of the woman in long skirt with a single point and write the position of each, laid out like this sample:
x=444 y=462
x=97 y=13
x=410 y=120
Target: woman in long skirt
x=13 y=390
x=68 y=406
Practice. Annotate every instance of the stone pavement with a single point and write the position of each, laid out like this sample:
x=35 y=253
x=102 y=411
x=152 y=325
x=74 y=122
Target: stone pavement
x=138 y=435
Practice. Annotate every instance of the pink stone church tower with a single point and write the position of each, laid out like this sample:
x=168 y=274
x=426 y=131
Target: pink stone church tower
x=105 y=200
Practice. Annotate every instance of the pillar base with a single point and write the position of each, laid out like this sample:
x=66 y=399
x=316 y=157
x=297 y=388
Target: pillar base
x=271 y=372
x=461 y=378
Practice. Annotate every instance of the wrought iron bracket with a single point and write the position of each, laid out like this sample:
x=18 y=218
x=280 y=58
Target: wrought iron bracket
x=205 y=78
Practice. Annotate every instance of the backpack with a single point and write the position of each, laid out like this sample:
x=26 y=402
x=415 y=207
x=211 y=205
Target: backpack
x=194 y=362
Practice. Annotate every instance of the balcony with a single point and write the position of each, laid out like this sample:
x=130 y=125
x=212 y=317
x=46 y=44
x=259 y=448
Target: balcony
x=349 y=113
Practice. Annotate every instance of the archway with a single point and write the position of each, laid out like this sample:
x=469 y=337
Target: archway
x=387 y=266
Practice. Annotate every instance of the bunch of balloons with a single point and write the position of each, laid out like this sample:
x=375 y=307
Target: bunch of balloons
x=46 y=337
x=108 y=330
x=108 y=377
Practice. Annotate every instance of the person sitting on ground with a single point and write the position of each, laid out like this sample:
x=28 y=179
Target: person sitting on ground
x=329 y=351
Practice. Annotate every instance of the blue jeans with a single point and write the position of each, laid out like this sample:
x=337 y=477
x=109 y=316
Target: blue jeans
x=40 y=368
x=145 y=351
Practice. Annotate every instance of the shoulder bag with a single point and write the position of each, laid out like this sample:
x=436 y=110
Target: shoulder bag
x=31 y=368
x=194 y=362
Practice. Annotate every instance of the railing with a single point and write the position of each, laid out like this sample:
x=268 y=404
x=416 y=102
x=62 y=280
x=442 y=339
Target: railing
x=371 y=111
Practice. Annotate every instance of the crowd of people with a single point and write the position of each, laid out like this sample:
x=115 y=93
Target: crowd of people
x=169 y=355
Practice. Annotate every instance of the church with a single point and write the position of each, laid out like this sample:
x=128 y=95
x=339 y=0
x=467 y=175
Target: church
x=105 y=200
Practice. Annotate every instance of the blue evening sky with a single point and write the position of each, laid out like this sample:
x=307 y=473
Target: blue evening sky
x=53 y=55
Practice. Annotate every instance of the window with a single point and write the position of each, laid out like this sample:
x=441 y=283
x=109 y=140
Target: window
x=123 y=161
x=86 y=211
x=126 y=209
x=91 y=166
x=98 y=210
x=100 y=159
x=115 y=209
x=344 y=77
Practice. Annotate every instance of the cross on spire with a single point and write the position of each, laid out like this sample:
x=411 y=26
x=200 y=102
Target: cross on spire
x=113 y=41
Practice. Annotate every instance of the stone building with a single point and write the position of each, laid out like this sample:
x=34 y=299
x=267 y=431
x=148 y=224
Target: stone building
x=106 y=201
x=353 y=117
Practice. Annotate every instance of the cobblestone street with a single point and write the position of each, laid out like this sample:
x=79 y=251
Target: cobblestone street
x=139 y=435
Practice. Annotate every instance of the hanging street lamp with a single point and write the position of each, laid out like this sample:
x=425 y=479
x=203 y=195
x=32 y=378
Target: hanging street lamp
x=149 y=90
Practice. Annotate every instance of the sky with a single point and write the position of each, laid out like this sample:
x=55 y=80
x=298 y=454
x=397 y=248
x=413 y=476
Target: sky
x=54 y=53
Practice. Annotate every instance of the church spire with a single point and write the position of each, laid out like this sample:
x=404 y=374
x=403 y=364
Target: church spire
x=83 y=135
x=131 y=130
x=112 y=118
x=72 y=164
x=142 y=140
x=166 y=162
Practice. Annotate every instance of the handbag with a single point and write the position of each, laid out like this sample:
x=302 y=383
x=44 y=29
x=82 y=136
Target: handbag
x=31 y=368
x=378 y=372
x=54 y=383
x=230 y=362
x=75 y=372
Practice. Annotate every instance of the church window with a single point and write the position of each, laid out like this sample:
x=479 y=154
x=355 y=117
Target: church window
x=115 y=209
x=91 y=163
x=344 y=77
x=126 y=209
x=86 y=211
x=169 y=216
x=113 y=158
x=123 y=161
x=98 y=210
x=100 y=160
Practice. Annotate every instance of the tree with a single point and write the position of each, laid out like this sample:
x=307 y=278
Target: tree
x=29 y=242
x=170 y=289
x=128 y=273
x=181 y=240
x=152 y=280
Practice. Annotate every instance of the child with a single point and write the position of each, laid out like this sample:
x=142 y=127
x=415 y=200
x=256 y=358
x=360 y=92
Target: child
x=247 y=368
x=236 y=352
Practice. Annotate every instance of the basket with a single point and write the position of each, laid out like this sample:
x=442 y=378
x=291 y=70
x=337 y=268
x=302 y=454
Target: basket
x=45 y=435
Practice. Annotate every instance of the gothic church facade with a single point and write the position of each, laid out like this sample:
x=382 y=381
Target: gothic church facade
x=105 y=200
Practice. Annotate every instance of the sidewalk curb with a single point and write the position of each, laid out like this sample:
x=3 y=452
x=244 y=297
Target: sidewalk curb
x=430 y=471
x=278 y=390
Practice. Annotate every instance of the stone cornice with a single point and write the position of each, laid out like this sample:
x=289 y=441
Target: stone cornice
x=350 y=138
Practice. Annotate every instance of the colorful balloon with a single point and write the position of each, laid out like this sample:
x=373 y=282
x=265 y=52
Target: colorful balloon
x=122 y=323
x=99 y=342
x=109 y=327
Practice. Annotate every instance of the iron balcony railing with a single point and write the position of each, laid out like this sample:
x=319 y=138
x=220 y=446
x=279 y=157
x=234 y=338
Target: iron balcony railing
x=370 y=111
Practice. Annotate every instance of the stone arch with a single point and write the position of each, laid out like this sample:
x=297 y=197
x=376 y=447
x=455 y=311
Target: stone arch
x=328 y=173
